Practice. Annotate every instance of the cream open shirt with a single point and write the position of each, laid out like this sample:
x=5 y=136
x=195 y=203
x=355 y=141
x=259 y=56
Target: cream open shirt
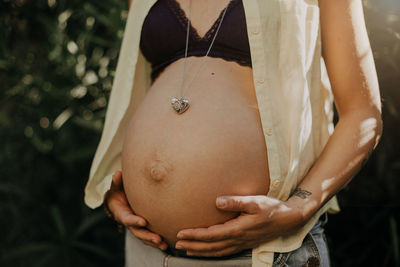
x=293 y=93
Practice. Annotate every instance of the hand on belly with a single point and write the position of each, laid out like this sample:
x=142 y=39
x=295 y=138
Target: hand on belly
x=173 y=196
x=175 y=166
x=261 y=219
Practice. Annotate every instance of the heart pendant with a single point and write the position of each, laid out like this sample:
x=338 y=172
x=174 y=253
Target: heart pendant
x=180 y=105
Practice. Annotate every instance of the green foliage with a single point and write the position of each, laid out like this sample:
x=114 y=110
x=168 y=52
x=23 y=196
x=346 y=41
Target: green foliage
x=57 y=62
x=56 y=70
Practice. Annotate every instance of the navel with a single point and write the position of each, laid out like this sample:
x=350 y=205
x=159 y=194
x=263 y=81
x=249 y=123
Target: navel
x=158 y=169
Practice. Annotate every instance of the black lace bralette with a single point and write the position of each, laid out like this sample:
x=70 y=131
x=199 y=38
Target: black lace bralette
x=163 y=36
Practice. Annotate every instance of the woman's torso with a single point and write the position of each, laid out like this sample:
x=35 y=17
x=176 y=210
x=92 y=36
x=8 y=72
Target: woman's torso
x=174 y=166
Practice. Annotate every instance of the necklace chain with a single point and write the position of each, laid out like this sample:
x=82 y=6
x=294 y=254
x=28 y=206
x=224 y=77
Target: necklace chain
x=181 y=105
x=187 y=44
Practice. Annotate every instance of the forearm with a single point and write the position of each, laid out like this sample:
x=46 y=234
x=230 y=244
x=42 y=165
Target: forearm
x=355 y=137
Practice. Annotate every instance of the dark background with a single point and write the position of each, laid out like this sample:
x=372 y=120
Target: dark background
x=57 y=64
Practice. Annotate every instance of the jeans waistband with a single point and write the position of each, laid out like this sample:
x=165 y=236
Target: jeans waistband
x=181 y=253
x=319 y=225
x=323 y=219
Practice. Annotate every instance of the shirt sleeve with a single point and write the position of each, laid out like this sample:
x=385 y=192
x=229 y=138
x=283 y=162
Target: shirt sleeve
x=98 y=185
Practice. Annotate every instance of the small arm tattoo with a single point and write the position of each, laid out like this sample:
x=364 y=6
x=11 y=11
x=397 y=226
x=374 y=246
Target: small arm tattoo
x=301 y=193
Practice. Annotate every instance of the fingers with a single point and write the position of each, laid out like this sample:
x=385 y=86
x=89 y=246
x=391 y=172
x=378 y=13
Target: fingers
x=128 y=219
x=248 y=204
x=126 y=216
x=116 y=181
x=148 y=237
x=118 y=205
x=217 y=232
x=123 y=213
x=162 y=246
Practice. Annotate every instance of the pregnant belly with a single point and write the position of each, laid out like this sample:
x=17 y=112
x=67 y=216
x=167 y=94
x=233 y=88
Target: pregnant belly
x=175 y=166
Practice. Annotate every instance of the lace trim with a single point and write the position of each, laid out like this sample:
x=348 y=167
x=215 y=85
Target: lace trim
x=158 y=69
x=183 y=20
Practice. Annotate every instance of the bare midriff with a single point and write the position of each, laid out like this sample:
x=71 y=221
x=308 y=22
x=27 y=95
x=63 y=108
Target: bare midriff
x=175 y=165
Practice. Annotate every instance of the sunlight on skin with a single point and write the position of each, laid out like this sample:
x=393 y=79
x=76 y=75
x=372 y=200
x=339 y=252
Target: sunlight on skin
x=330 y=174
x=367 y=131
x=325 y=184
x=355 y=136
x=333 y=171
x=349 y=62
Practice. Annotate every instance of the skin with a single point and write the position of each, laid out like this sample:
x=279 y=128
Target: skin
x=350 y=65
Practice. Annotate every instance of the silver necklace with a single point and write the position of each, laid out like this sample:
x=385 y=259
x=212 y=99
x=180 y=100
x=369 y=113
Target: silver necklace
x=181 y=104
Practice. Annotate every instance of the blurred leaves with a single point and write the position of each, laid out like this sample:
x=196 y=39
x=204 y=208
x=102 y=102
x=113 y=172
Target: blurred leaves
x=63 y=245
x=57 y=61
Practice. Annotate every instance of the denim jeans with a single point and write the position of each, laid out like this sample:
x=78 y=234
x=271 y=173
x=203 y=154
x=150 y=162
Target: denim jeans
x=313 y=252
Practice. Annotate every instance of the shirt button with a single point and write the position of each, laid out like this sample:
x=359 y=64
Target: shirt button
x=256 y=30
x=260 y=80
x=268 y=131
x=276 y=183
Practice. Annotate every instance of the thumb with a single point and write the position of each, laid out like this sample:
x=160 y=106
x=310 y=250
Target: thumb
x=117 y=180
x=248 y=204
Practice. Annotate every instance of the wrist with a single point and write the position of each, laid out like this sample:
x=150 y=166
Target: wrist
x=299 y=213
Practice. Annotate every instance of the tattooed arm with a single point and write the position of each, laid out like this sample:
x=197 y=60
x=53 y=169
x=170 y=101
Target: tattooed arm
x=352 y=74
x=349 y=61
x=301 y=193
